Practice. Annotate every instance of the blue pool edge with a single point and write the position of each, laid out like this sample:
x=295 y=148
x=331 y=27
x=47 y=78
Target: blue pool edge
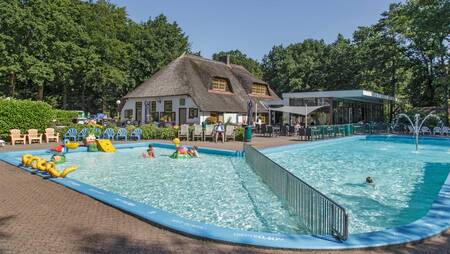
x=434 y=222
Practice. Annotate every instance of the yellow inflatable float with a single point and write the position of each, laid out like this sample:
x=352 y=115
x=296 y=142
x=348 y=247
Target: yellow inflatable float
x=39 y=163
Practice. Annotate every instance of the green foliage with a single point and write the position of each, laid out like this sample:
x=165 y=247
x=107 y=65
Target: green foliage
x=150 y=131
x=239 y=58
x=211 y=120
x=24 y=115
x=239 y=132
x=64 y=117
x=80 y=54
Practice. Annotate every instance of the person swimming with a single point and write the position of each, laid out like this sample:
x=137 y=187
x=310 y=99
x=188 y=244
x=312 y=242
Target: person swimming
x=193 y=152
x=369 y=180
x=150 y=152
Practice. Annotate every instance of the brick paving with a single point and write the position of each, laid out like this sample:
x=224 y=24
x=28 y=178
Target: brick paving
x=38 y=216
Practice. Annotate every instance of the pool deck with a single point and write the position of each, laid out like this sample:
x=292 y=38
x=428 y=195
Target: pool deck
x=42 y=217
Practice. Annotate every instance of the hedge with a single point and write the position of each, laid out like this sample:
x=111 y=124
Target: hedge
x=24 y=115
x=64 y=117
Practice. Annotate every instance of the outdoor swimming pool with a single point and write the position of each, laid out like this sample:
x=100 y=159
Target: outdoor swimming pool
x=220 y=197
x=213 y=189
x=406 y=181
x=224 y=191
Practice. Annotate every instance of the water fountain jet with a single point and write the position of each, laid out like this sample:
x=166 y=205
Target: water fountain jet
x=416 y=127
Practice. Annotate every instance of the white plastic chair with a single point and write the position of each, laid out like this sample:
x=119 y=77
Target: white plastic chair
x=410 y=129
x=425 y=130
x=445 y=130
x=437 y=131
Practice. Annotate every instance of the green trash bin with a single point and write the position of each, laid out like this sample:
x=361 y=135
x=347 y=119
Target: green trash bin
x=248 y=132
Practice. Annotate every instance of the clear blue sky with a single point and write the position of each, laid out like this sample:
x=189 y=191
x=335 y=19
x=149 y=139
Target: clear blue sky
x=254 y=26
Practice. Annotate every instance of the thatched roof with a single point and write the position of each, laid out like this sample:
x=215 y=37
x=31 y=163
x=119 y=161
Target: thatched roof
x=192 y=75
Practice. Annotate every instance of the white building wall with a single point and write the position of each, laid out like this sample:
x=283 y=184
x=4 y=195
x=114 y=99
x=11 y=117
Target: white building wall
x=235 y=118
x=189 y=103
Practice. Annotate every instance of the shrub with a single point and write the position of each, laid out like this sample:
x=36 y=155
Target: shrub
x=64 y=117
x=24 y=115
x=211 y=120
x=169 y=133
x=150 y=131
x=239 y=132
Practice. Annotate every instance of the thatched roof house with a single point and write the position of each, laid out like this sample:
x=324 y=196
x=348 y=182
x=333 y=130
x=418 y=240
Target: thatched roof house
x=192 y=88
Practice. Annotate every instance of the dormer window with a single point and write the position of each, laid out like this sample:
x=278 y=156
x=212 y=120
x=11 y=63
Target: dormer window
x=260 y=89
x=221 y=85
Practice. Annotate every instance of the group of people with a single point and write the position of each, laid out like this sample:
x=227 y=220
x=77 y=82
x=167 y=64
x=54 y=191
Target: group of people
x=150 y=154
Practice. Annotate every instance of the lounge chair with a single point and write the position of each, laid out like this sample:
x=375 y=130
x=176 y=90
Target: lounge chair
x=445 y=130
x=425 y=130
x=50 y=134
x=198 y=132
x=437 y=131
x=136 y=134
x=71 y=134
x=2 y=143
x=33 y=134
x=121 y=133
x=209 y=132
x=108 y=134
x=184 y=131
x=263 y=130
x=16 y=136
x=229 y=133
x=82 y=134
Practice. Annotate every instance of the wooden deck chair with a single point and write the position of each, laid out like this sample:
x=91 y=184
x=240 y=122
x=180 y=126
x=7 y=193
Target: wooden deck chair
x=209 y=132
x=50 y=134
x=184 y=132
x=33 y=134
x=229 y=133
x=15 y=136
x=198 y=132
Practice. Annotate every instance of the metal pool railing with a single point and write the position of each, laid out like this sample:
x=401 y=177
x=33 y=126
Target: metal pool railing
x=320 y=214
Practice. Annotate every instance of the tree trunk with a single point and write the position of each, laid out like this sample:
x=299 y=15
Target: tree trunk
x=64 y=96
x=446 y=87
x=12 y=84
x=40 y=94
x=104 y=105
x=83 y=97
x=394 y=91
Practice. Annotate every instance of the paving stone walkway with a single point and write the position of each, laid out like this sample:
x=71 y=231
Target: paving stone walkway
x=38 y=216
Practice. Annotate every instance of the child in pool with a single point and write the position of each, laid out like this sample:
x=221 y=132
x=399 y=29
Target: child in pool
x=150 y=153
x=193 y=152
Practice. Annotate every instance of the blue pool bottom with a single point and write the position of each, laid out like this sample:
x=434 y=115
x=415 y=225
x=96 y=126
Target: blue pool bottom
x=434 y=222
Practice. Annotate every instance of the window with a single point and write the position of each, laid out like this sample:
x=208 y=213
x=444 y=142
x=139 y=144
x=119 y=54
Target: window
x=259 y=89
x=138 y=106
x=193 y=113
x=129 y=114
x=167 y=106
x=153 y=106
x=182 y=101
x=221 y=84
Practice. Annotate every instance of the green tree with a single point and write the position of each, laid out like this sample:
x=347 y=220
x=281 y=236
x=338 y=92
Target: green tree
x=422 y=28
x=239 y=58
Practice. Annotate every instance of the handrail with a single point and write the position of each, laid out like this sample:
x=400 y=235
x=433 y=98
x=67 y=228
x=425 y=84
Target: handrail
x=320 y=214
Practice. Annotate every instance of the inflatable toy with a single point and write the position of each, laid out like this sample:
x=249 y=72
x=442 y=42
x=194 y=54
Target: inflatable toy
x=26 y=158
x=92 y=147
x=58 y=158
x=55 y=173
x=72 y=145
x=181 y=152
x=39 y=163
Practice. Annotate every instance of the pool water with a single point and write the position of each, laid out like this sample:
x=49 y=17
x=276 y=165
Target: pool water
x=212 y=189
x=406 y=182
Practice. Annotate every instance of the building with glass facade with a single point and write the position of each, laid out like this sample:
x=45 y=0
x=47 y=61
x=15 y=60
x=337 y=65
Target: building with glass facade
x=333 y=107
